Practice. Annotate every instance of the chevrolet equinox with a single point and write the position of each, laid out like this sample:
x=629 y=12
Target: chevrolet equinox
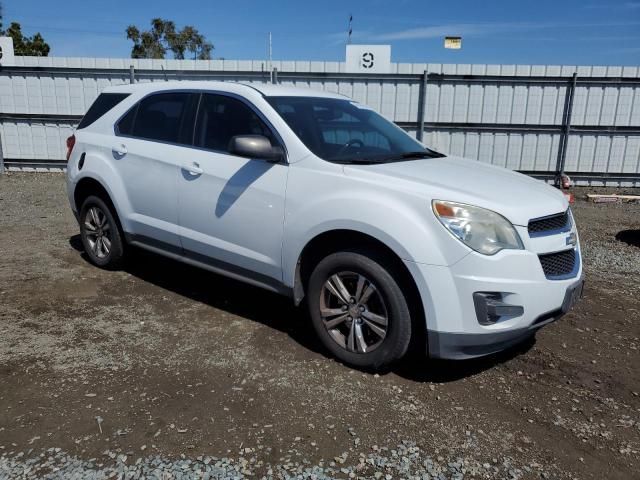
x=316 y=196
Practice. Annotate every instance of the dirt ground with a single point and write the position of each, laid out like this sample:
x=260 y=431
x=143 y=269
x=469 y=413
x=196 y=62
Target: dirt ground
x=165 y=359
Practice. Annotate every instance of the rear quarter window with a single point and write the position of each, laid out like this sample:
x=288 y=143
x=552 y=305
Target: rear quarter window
x=125 y=125
x=104 y=103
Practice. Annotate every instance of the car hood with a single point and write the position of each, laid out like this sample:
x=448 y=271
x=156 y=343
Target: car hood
x=517 y=197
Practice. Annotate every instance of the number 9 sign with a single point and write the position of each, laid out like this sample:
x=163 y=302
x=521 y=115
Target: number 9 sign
x=367 y=60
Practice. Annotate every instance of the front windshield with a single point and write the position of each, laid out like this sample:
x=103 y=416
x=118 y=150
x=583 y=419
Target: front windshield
x=344 y=131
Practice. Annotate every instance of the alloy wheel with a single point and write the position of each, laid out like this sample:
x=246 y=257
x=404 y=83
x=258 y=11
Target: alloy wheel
x=353 y=312
x=98 y=232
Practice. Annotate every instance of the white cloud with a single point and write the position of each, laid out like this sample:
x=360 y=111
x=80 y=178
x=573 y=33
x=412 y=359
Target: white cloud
x=609 y=6
x=436 y=31
x=480 y=29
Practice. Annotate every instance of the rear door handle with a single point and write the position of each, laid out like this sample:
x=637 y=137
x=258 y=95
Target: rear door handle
x=193 y=169
x=120 y=149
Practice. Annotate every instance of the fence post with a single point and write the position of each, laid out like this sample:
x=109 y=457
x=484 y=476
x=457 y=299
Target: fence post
x=422 y=98
x=1 y=158
x=274 y=78
x=132 y=74
x=566 y=129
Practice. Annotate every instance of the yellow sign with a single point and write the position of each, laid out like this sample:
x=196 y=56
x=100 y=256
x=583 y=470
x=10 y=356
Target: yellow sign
x=453 y=42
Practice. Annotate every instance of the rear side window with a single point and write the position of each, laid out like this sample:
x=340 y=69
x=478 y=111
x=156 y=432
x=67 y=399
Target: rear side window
x=104 y=103
x=165 y=117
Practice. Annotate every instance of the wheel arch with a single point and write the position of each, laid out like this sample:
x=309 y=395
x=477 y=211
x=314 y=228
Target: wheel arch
x=88 y=186
x=332 y=241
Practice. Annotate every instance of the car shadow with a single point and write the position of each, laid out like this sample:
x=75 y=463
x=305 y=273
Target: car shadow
x=232 y=296
x=630 y=237
x=76 y=243
x=418 y=368
x=279 y=312
x=242 y=179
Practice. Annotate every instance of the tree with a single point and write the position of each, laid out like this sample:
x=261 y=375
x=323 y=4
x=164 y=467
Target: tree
x=164 y=36
x=34 y=46
x=189 y=40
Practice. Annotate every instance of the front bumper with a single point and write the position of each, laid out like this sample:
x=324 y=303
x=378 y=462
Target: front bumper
x=453 y=328
x=460 y=346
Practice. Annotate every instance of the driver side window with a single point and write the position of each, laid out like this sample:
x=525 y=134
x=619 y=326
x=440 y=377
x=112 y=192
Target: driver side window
x=220 y=118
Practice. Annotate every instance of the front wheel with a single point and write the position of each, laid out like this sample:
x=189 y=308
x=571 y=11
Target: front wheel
x=359 y=310
x=100 y=234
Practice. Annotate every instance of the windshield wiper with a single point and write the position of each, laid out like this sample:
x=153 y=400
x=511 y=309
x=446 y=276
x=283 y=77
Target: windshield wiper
x=392 y=158
x=359 y=161
x=417 y=154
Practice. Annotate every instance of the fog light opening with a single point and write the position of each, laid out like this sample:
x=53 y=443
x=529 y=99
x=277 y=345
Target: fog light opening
x=491 y=308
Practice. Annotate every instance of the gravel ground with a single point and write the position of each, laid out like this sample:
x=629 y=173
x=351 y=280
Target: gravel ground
x=165 y=371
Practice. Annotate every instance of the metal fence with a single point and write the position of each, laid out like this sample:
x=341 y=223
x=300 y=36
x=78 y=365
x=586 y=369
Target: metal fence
x=541 y=120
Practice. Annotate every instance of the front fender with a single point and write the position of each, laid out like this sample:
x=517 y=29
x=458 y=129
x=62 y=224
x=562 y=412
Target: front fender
x=405 y=227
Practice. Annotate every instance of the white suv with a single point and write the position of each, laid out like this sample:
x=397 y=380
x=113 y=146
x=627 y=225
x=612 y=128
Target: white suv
x=311 y=194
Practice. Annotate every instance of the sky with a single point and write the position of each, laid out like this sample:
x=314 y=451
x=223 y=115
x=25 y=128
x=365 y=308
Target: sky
x=567 y=32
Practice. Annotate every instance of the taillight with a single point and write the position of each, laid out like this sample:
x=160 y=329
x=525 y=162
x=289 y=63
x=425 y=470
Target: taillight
x=71 y=141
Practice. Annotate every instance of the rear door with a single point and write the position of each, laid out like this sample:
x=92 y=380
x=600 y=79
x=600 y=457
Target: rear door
x=231 y=208
x=151 y=145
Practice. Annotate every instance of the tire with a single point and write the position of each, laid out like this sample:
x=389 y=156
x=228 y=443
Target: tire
x=100 y=234
x=368 y=347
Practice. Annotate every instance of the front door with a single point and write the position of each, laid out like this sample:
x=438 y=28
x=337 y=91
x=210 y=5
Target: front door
x=231 y=209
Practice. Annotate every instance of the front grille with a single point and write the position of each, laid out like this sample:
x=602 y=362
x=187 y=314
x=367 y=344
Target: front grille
x=558 y=265
x=544 y=225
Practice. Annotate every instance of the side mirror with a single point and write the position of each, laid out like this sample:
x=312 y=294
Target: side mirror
x=254 y=146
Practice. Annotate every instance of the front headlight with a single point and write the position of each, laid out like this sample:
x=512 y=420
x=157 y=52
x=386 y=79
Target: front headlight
x=482 y=230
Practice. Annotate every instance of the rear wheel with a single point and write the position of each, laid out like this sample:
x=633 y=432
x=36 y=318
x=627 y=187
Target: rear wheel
x=359 y=310
x=100 y=234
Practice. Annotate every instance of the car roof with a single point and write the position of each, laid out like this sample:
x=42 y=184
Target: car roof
x=271 y=90
x=265 y=89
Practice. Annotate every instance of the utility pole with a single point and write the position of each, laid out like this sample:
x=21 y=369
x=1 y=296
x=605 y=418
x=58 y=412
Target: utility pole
x=270 y=63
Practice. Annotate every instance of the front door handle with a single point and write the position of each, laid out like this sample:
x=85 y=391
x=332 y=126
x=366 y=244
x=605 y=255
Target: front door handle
x=193 y=169
x=120 y=149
